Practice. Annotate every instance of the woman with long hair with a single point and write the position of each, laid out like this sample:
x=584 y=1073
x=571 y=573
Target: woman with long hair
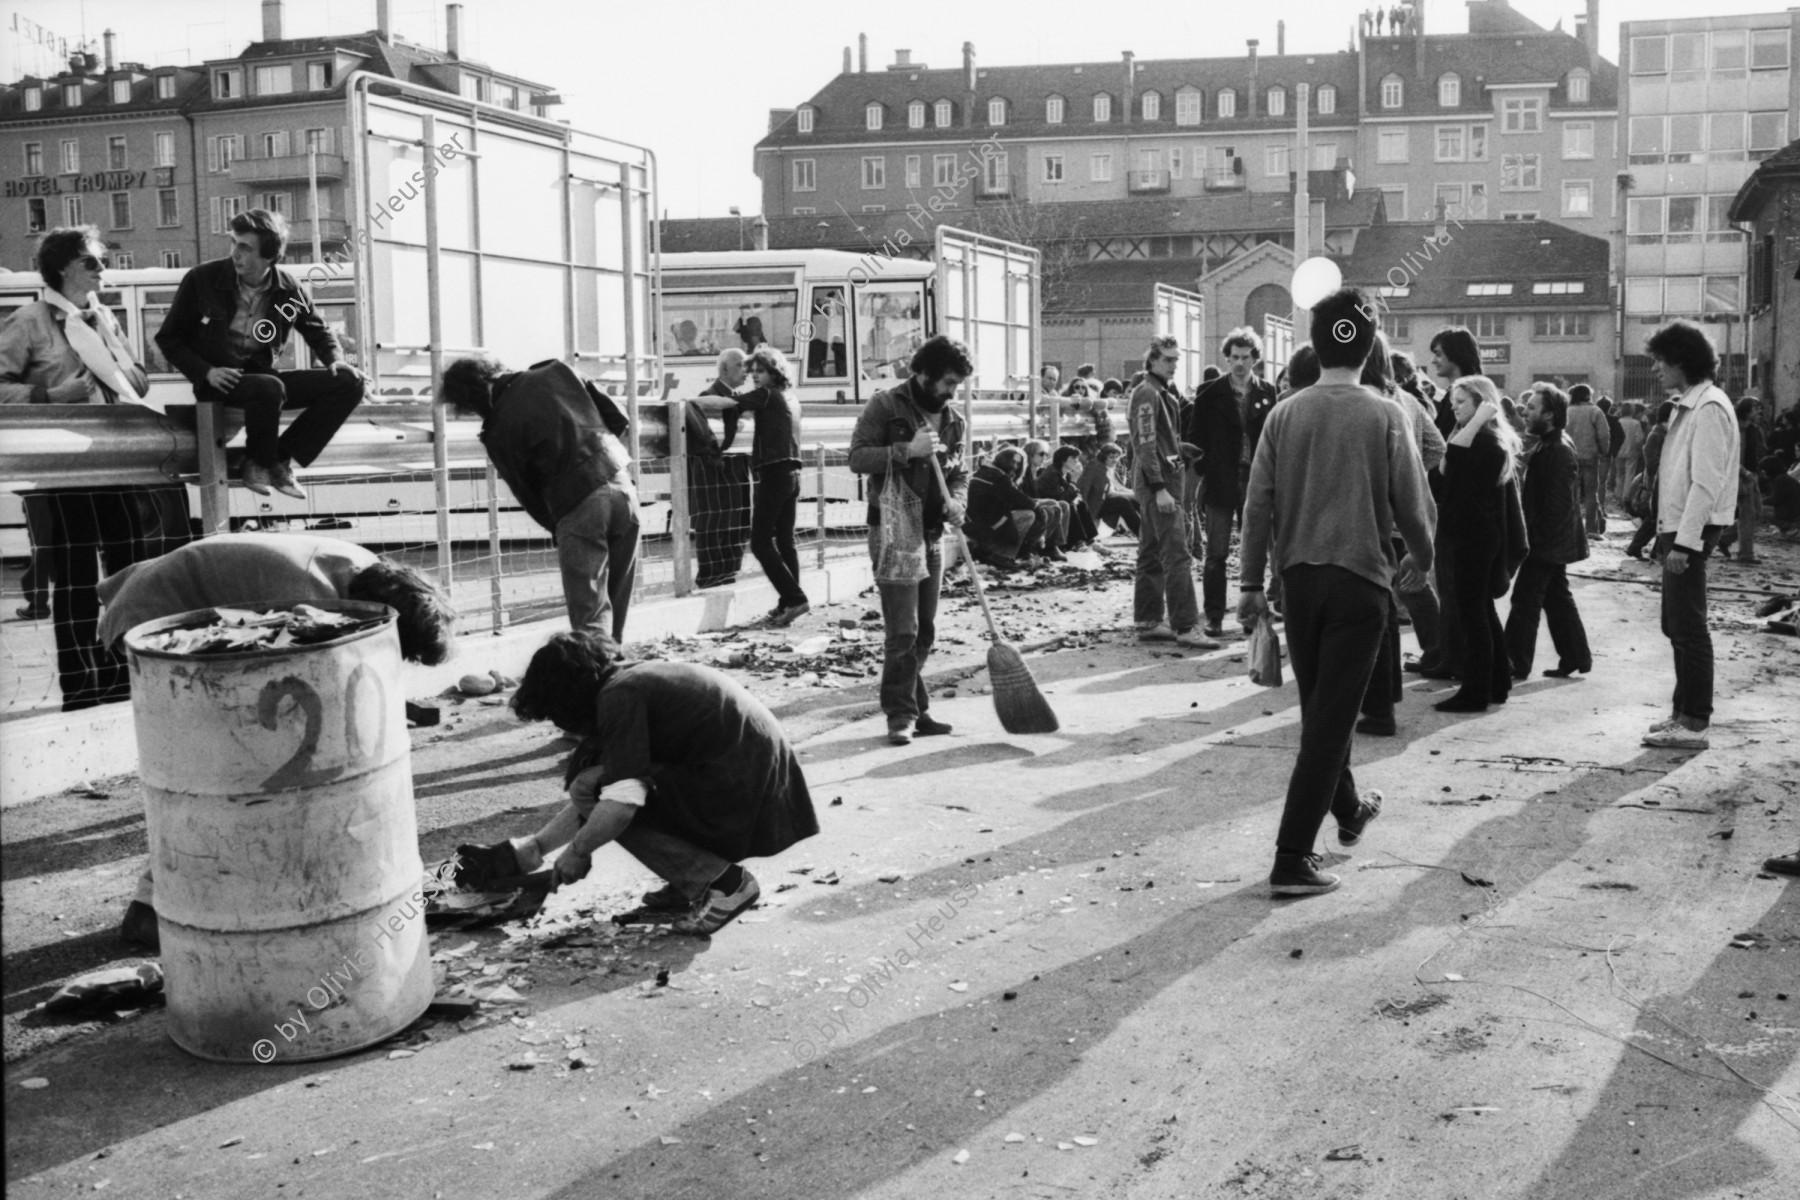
x=775 y=461
x=1481 y=459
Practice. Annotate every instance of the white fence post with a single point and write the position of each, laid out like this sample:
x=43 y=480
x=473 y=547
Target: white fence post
x=681 y=524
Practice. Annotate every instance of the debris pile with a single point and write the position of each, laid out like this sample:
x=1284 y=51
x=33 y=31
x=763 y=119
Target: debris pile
x=243 y=630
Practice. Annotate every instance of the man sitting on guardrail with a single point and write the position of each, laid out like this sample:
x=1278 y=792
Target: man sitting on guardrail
x=554 y=438
x=248 y=570
x=229 y=322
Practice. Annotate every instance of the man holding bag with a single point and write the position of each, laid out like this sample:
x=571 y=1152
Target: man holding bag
x=896 y=435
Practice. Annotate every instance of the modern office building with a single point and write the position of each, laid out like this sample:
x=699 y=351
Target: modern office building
x=161 y=159
x=1704 y=100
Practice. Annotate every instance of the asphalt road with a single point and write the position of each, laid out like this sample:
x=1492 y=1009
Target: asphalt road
x=1554 y=968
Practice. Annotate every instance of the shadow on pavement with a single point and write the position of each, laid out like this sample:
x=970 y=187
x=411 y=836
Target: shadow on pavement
x=75 y=849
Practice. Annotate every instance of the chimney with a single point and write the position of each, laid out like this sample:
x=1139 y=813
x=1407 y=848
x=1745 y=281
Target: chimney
x=1418 y=32
x=1593 y=38
x=1129 y=95
x=759 y=233
x=107 y=38
x=847 y=62
x=1250 y=107
x=453 y=30
x=969 y=68
x=862 y=52
x=1440 y=211
x=902 y=60
x=1280 y=38
x=384 y=20
x=271 y=20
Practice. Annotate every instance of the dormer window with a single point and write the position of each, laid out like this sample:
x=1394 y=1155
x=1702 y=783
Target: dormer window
x=165 y=87
x=1578 y=86
x=872 y=117
x=1102 y=108
x=318 y=76
x=1449 y=91
x=803 y=120
x=941 y=114
x=228 y=85
x=1277 y=102
x=915 y=115
x=121 y=91
x=34 y=99
x=1227 y=102
x=996 y=111
x=71 y=95
x=1152 y=106
x=1327 y=100
x=1393 y=91
x=1188 y=104
x=1053 y=110
x=277 y=80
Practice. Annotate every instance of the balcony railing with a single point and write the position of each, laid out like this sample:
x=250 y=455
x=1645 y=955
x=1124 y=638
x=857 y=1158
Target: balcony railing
x=997 y=187
x=1149 y=181
x=1223 y=179
x=331 y=229
x=285 y=167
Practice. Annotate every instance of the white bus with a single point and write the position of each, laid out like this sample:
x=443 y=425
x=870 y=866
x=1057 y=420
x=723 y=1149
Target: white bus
x=848 y=323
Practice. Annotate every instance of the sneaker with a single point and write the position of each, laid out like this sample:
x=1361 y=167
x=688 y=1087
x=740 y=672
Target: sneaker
x=1783 y=864
x=1350 y=832
x=925 y=726
x=256 y=477
x=1299 y=875
x=139 y=928
x=1194 y=639
x=791 y=613
x=716 y=909
x=1678 y=737
x=899 y=733
x=1215 y=629
x=1664 y=724
x=281 y=476
x=1154 y=631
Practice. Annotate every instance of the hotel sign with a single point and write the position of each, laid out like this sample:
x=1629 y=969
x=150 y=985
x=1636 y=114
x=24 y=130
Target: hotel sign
x=98 y=181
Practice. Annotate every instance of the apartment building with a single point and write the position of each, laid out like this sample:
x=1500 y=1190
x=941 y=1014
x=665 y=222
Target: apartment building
x=1704 y=100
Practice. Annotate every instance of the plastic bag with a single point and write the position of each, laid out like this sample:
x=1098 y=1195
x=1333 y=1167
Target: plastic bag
x=901 y=557
x=1265 y=655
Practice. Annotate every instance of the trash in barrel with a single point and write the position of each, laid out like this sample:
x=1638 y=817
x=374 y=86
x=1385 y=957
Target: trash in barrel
x=277 y=777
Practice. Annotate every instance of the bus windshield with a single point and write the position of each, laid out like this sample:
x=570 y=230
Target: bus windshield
x=704 y=323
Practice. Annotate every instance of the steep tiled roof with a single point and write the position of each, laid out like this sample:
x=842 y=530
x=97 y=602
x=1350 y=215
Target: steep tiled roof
x=839 y=105
x=1484 y=59
x=96 y=96
x=1518 y=252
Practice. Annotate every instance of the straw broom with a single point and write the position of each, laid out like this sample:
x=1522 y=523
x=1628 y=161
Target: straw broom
x=1021 y=707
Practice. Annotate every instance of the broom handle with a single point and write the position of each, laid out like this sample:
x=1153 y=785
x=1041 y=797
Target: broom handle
x=962 y=544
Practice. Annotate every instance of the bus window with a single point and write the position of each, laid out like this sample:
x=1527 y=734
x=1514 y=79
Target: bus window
x=704 y=323
x=891 y=325
x=825 y=348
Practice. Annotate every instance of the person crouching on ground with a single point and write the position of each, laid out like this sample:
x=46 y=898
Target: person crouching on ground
x=775 y=459
x=243 y=569
x=678 y=764
x=1002 y=523
x=554 y=438
x=1105 y=497
x=1336 y=474
x=1551 y=495
x=895 y=435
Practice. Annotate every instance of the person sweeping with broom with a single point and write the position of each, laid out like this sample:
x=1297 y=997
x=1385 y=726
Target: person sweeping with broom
x=908 y=441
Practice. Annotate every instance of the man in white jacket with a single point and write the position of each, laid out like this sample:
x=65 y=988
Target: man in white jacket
x=1696 y=501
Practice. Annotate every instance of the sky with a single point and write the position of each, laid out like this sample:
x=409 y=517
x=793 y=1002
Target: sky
x=695 y=81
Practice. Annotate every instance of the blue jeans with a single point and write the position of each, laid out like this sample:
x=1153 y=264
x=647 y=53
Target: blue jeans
x=772 y=531
x=596 y=547
x=1684 y=624
x=1218 y=549
x=909 y=618
x=1165 y=569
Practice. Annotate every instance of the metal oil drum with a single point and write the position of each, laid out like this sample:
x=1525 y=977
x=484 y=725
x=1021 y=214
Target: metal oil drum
x=283 y=840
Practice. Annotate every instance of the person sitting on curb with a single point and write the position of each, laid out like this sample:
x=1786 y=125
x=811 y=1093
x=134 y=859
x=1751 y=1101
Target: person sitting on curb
x=1106 y=498
x=1058 y=523
x=245 y=569
x=1056 y=481
x=679 y=764
x=1002 y=523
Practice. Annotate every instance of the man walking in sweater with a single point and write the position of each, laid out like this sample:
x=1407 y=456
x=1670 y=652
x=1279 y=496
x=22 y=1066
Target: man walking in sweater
x=1165 y=568
x=1593 y=442
x=1336 y=475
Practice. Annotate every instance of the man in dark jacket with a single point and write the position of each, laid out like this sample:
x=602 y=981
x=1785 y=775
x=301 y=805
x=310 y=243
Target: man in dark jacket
x=1553 y=524
x=898 y=433
x=1056 y=481
x=554 y=438
x=718 y=487
x=1165 y=567
x=230 y=319
x=1226 y=424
